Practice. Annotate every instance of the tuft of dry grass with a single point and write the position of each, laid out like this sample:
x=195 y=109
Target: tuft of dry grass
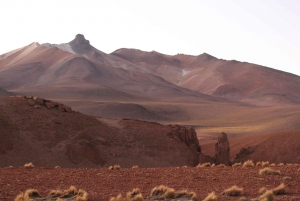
x=203 y=165
x=82 y=195
x=258 y=164
x=221 y=165
x=272 y=165
x=135 y=167
x=265 y=164
x=115 y=167
x=269 y=171
x=135 y=195
x=248 y=163
x=267 y=196
x=237 y=164
x=29 y=165
x=279 y=190
x=57 y=167
x=287 y=178
x=55 y=194
x=164 y=192
x=211 y=197
x=262 y=190
x=233 y=191
x=289 y=164
x=28 y=195
x=213 y=165
x=281 y=164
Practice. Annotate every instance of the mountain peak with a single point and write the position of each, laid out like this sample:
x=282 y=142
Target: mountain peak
x=80 y=42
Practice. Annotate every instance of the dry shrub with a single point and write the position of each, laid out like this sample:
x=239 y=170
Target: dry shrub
x=273 y=165
x=267 y=196
x=115 y=167
x=135 y=167
x=289 y=164
x=265 y=163
x=203 y=165
x=233 y=191
x=28 y=195
x=29 y=165
x=279 y=190
x=237 y=164
x=57 y=167
x=211 y=197
x=81 y=195
x=268 y=171
x=262 y=190
x=55 y=194
x=248 y=163
x=258 y=164
x=221 y=165
x=213 y=165
x=164 y=192
x=135 y=195
x=281 y=164
x=186 y=194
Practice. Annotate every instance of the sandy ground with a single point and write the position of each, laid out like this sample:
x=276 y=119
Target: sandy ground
x=101 y=184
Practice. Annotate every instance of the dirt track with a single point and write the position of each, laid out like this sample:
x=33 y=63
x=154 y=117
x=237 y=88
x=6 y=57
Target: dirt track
x=101 y=184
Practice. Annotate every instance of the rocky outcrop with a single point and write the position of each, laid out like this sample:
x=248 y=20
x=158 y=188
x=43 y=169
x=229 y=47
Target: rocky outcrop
x=36 y=103
x=222 y=150
x=186 y=135
x=243 y=155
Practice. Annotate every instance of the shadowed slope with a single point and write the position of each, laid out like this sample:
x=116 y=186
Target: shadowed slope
x=49 y=137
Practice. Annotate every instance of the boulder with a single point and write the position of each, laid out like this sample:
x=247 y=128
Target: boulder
x=222 y=150
x=50 y=104
x=40 y=101
x=31 y=102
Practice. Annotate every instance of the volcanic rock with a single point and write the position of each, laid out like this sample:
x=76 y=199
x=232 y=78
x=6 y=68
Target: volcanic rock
x=222 y=150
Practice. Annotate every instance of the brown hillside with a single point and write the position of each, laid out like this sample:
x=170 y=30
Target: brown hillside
x=280 y=147
x=52 y=137
x=232 y=80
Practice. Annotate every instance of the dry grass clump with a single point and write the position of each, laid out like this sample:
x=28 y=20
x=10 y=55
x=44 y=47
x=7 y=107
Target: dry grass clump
x=135 y=195
x=72 y=192
x=211 y=197
x=281 y=164
x=267 y=196
x=265 y=163
x=237 y=164
x=213 y=165
x=279 y=190
x=262 y=190
x=272 y=165
x=233 y=191
x=29 y=165
x=248 y=163
x=135 y=167
x=203 y=165
x=287 y=178
x=221 y=165
x=269 y=171
x=28 y=195
x=258 y=164
x=289 y=164
x=164 y=192
x=115 y=167
x=57 y=167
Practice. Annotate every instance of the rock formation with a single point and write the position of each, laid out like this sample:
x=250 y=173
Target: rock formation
x=186 y=135
x=36 y=103
x=222 y=150
x=243 y=155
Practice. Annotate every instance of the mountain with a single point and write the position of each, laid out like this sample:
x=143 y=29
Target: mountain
x=49 y=134
x=233 y=80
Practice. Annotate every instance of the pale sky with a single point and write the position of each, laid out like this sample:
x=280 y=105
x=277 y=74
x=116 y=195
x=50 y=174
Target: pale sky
x=265 y=32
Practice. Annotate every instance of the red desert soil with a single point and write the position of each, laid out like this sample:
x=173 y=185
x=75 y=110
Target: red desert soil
x=101 y=184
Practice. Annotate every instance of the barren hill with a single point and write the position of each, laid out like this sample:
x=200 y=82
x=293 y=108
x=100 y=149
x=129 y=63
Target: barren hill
x=234 y=80
x=49 y=134
x=279 y=147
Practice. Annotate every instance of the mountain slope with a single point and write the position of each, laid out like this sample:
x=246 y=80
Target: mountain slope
x=232 y=80
x=50 y=137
